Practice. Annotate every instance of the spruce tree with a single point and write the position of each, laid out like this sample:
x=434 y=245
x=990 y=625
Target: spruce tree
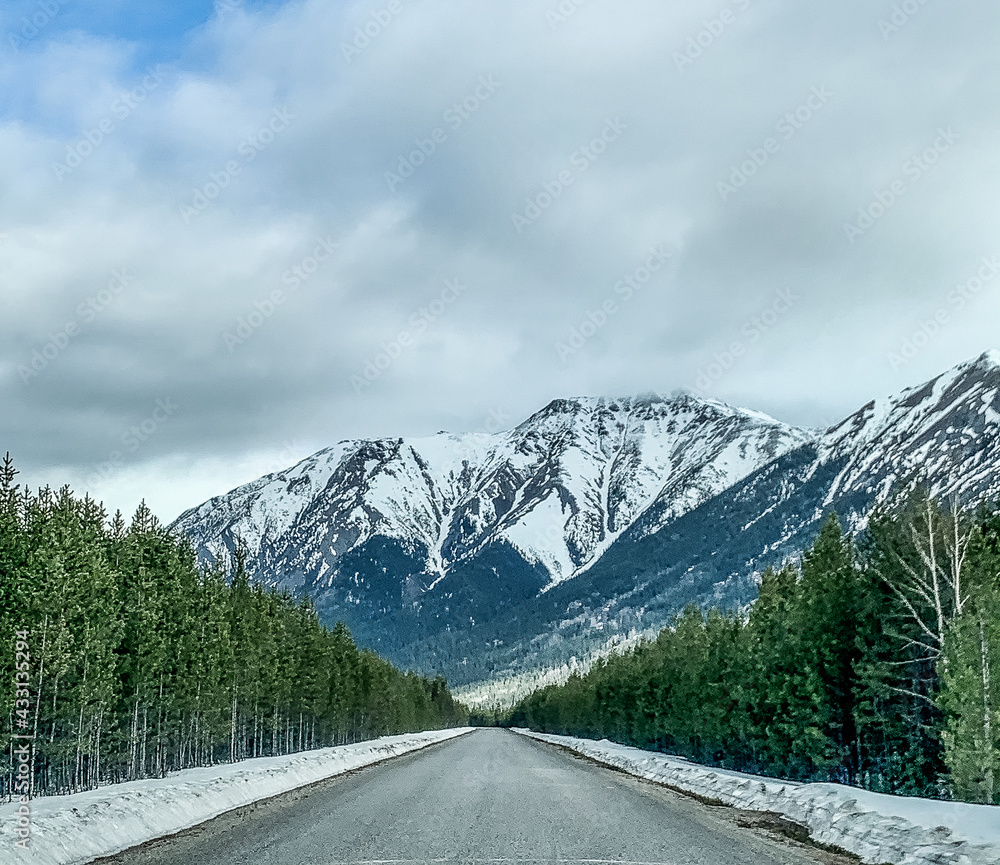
x=143 y=661
x=970 y=693
x=827 y=634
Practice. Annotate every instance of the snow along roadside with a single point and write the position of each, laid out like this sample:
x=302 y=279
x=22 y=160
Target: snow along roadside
x=78 y=828
x=877 y=827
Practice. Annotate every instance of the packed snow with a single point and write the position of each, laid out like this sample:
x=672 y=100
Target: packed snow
x=74 y=829
x=916 y=428
x=877 y=827
x=560 y=487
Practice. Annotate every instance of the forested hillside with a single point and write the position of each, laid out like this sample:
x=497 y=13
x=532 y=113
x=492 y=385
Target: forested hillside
x=871 y=663
x=122 y=659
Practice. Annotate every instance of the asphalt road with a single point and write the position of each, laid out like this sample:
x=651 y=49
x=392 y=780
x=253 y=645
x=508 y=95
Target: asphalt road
x=491 y=798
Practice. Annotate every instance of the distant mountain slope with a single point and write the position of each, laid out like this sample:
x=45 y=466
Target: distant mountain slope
x=408 y=539
x=945 y=433
x=595 y=519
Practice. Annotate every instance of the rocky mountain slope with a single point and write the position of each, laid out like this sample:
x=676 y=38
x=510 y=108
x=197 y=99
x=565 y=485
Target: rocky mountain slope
x=406 y=539
x=590 y=522
x=944 y=434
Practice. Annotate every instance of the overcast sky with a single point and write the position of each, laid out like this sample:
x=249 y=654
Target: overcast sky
x=231 y=235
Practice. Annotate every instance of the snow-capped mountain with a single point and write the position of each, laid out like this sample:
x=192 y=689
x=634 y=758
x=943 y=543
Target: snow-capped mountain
x=944 y=434
x=373 y=528
x=591 y=521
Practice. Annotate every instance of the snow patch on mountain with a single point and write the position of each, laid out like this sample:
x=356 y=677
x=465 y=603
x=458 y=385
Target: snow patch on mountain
x=628 y=508
x=930 y=432
x=560 y=488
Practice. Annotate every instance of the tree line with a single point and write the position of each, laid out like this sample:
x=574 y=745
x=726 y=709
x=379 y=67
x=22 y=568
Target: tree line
x=870 y=662
x=123 y=658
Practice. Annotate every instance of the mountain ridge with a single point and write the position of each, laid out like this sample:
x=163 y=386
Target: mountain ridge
x=456 y=468
x=484 y=554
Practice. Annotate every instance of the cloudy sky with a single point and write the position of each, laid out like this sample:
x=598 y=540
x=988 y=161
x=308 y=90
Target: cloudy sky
x=234 y=233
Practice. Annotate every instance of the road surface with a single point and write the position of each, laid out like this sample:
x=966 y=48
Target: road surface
x=490 y=798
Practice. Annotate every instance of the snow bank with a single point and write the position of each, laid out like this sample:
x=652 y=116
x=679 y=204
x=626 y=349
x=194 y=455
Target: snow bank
x=877 y=827
x=68 y=830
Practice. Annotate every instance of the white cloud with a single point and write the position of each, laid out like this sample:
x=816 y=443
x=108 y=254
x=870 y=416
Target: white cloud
x=269 y=193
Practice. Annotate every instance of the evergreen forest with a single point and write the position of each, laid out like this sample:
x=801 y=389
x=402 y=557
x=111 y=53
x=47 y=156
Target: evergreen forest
x=123 y=658
x=871 y=662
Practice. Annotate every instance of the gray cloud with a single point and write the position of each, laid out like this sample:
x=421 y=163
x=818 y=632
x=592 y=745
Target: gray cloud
x=265 y=192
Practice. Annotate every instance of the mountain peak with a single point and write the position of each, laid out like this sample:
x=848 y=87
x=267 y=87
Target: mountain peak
x=556 y=491
x=652 y=403
x=989 y=359
x=938 y=432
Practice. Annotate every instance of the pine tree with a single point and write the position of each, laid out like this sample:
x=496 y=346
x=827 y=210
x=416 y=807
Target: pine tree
x=827 y=633
x=972 y=708
x=12 y=602
x=142 y=661
x=970 y=694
